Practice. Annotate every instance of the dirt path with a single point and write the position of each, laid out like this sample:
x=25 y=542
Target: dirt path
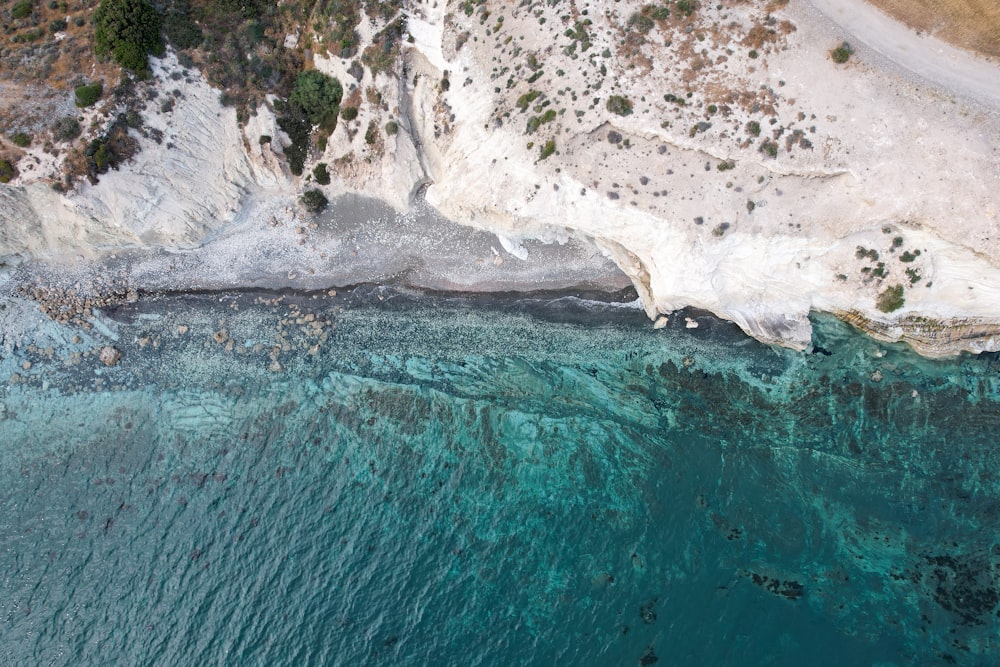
x=928 y=58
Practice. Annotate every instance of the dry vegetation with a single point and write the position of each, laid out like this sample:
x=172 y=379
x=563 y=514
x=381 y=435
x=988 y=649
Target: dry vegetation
x=970 y=24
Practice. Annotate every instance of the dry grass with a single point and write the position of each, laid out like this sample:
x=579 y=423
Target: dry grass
x=969 y=24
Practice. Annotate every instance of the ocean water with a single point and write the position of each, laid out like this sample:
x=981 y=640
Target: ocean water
x=382 y=478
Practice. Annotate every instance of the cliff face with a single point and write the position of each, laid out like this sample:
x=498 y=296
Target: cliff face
x=719 y=155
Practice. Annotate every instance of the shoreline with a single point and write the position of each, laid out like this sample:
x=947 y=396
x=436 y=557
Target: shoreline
x=681 y=200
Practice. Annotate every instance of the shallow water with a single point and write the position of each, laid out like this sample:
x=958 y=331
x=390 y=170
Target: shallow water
x=472 y=481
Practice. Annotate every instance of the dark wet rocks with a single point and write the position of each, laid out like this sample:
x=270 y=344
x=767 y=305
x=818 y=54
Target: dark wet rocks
x=70 y=306
x=648 y=657
x=968 y=586
x=647 y=612
x=786 y=588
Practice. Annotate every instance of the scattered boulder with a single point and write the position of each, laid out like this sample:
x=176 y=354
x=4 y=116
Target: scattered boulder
x=109 y=355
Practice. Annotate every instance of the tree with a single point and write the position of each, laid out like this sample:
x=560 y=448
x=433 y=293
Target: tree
x=128 y=30
x=317 y=95
x=314 y=201
x=321 y=174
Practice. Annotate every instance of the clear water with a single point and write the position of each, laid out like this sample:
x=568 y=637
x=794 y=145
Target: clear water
x=459 y=482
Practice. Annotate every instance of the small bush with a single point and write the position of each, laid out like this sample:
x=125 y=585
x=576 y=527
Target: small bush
x=133 y=119
x=908 y=256
x=314 y=201
x=547 y=149
x=619 y=105
x=57 y=25
x=769 y=147
x=21 y=10
x=21 y=139
x=371 y=134
x=686 y=7
x=391 y=128
x=349 y=113
x=7 y=171
x=320 y=174
x=890 y=299
x=66 y=128
x=753 y=127
x=659 y=13
x=87 y=96
x=525 y=100
x=641 y=22
x=842 y=53
x=726 y=165
x=264 y=139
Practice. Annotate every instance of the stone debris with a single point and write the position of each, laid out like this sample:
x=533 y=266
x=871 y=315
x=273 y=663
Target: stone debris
x=109 y=355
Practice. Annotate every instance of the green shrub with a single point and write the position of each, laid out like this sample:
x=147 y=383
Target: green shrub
x=537 y=121
x=890 y=299
x=349 y=113
x=686 y=7
x=66 y=128
x=525 y=100
x=264 y=139
x=371 y=134
x=21 y=139
x=133 y=119
x=842 y=53
x=316 y=94
x=320 y=174
x=641 y=22
x=128 y=31
x=22 y=9
x=314 y=201
x=659 y=13
x=908 y=256
x=769 y=147
x=753 y=127
x=547 y=149
x=87 y=96
x=180 y=28
x=619 y=105
x=391 y=128
x=58 y=25
x=296 y=126
x=7 y=171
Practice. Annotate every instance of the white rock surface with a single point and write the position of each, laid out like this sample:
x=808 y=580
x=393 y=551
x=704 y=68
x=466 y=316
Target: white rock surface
x=867 y=152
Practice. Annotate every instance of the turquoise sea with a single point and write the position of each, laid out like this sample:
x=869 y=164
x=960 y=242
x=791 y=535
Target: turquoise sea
x=389 y=478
